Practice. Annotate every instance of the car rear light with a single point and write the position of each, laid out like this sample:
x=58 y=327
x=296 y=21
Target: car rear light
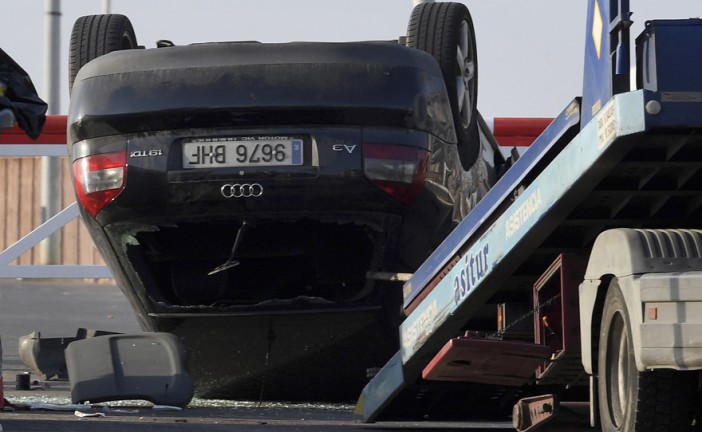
x=99 y=179
x=397 y=170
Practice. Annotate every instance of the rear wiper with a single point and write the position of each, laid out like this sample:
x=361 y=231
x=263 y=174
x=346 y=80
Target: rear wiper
x=231 y=262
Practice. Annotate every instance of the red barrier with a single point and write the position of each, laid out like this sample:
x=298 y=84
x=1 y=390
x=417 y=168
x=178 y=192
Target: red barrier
x=54 y=132
x=509 y=131
x=519 y=132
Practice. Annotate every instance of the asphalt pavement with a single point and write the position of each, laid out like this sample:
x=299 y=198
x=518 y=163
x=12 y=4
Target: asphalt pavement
x=59 y=308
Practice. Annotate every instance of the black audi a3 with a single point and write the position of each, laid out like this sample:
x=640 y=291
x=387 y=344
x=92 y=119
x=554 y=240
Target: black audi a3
x=265 y=201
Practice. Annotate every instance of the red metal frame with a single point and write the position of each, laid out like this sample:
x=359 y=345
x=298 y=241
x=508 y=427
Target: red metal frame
x=562 y=315
x=489 y=361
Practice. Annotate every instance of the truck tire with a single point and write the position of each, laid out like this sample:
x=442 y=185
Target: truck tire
x=633 y=401
x=445 y=30
x=95 y=35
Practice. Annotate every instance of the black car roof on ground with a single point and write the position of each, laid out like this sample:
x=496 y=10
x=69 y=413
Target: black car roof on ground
x=203 y=55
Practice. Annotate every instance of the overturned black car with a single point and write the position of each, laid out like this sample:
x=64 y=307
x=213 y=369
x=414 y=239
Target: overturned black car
x=262 y=201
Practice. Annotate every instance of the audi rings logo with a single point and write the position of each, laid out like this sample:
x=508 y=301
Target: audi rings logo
x=245 y=190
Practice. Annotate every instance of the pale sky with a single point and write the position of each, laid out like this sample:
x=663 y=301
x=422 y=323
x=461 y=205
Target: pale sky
x=530 y=53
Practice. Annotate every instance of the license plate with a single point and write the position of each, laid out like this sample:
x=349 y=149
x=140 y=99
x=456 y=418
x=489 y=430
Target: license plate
x=242 y=152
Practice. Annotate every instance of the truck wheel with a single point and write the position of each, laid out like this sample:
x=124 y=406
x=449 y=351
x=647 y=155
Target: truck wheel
x=629 y=400
x=96 y=35
x=445 y=30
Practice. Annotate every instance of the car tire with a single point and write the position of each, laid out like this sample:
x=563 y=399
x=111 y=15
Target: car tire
x=445 y=30
x=95 y=35
x=629 y=400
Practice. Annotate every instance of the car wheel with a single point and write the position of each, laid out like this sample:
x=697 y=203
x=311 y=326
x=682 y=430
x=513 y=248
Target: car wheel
x=445 y=30
x=96 y=35
x=629 y=400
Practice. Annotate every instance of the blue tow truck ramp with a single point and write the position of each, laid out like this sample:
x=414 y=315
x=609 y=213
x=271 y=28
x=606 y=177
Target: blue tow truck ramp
x=583 y=263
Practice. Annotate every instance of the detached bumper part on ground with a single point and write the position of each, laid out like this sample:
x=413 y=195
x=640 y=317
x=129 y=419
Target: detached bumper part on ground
x=148 y=366
x=45 y=356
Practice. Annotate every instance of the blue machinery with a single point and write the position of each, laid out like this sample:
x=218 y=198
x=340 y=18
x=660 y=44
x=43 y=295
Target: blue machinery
x=616 y=158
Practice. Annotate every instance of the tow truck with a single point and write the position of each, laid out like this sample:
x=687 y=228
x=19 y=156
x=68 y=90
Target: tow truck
x=579 y=274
